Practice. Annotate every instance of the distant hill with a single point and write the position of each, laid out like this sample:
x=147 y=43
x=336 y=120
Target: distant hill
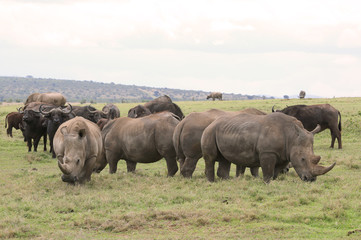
x=17 y=89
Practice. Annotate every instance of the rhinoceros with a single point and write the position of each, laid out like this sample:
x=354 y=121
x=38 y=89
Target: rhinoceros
x=78 y=146
x=141 y=140
x=266 y=141
x=187 y=140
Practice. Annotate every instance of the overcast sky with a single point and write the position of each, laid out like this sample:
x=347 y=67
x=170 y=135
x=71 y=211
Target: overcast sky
x=259 y=47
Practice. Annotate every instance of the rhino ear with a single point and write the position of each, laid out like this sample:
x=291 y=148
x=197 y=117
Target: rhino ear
x=63 y=130
x=81 y=133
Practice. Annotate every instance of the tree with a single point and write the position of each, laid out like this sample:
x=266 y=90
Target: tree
x=286 y=97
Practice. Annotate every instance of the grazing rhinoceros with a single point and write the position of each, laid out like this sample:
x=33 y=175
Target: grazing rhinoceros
x=140 y=140
x=187 y=140
x=78 y=146
x=266 y=141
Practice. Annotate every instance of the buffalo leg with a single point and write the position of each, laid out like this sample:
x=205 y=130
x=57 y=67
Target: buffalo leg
x=187 y=169
x=29 y=144
x=44 y=139
x=36 y=143
x=268 y=163
x=131 y=166
x=171 y=166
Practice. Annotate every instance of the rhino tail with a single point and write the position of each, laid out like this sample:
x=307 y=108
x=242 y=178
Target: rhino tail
x=177 y=139
x=339 y=123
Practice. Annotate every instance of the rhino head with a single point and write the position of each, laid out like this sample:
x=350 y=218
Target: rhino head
x=73 y=160
x=303 y=159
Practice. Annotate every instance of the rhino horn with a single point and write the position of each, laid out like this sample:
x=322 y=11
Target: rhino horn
x=320 y=170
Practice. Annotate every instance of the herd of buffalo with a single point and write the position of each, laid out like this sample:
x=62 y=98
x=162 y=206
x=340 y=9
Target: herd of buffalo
x=85 y=140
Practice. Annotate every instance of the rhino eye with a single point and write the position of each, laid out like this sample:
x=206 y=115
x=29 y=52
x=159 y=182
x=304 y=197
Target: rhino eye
x=303 y=159
x=77 y=162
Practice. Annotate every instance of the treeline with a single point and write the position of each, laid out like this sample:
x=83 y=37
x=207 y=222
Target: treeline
x=17 y=89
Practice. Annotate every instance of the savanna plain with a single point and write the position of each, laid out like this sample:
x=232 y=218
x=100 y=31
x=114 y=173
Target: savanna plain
x=36 y=204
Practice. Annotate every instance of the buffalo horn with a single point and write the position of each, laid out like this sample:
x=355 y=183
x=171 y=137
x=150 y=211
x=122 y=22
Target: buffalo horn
x=44 y=112
x=273 y=108
x=69 y=111
x=20 y=109
x=316 y=130
x=91 y=111
x=320 y=170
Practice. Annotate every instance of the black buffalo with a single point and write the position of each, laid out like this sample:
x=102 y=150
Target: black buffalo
x=55 y=117
x=87 y=112
x=323 y=114
x=34 y=124
x=109 y=111
x=160 y=104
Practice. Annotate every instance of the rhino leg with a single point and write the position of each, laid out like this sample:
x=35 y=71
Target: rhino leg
x=224 y=168
x=240 y=170
x=112 y=160
x=254 y=171
x=209 y=167
x=268 y=163
x=131 y=166
x=283 y=168
x=187 y=169
x=171 y=166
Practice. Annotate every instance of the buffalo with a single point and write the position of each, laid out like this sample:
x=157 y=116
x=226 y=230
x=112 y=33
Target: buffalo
x=160 y=104
x=13 y=120
x=87 y=112
x=323 y=114
x=141 y=140
x=55 y=117
x=187 y=139
x=54 y=98
x=109 y=111
x=34 y=124
x=215 y=95
x=266 y=141
x=78 y=146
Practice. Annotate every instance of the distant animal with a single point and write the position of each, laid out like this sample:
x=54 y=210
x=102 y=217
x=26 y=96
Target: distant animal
x=302 y=94
x=54 y=98
x=13 y=120
x=34 y=124
x=109 y=111
x=141 y=140
x=87 y=112
x=187 y=140
x=215 y=95
x=323 y=114
x=267 y=141
x=160 y=104
x=78 y=146
x=55 y=117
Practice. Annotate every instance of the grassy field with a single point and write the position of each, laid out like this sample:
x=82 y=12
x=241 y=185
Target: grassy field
x=36 y=204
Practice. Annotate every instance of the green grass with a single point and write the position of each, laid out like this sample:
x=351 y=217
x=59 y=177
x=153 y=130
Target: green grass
x=36 y=204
